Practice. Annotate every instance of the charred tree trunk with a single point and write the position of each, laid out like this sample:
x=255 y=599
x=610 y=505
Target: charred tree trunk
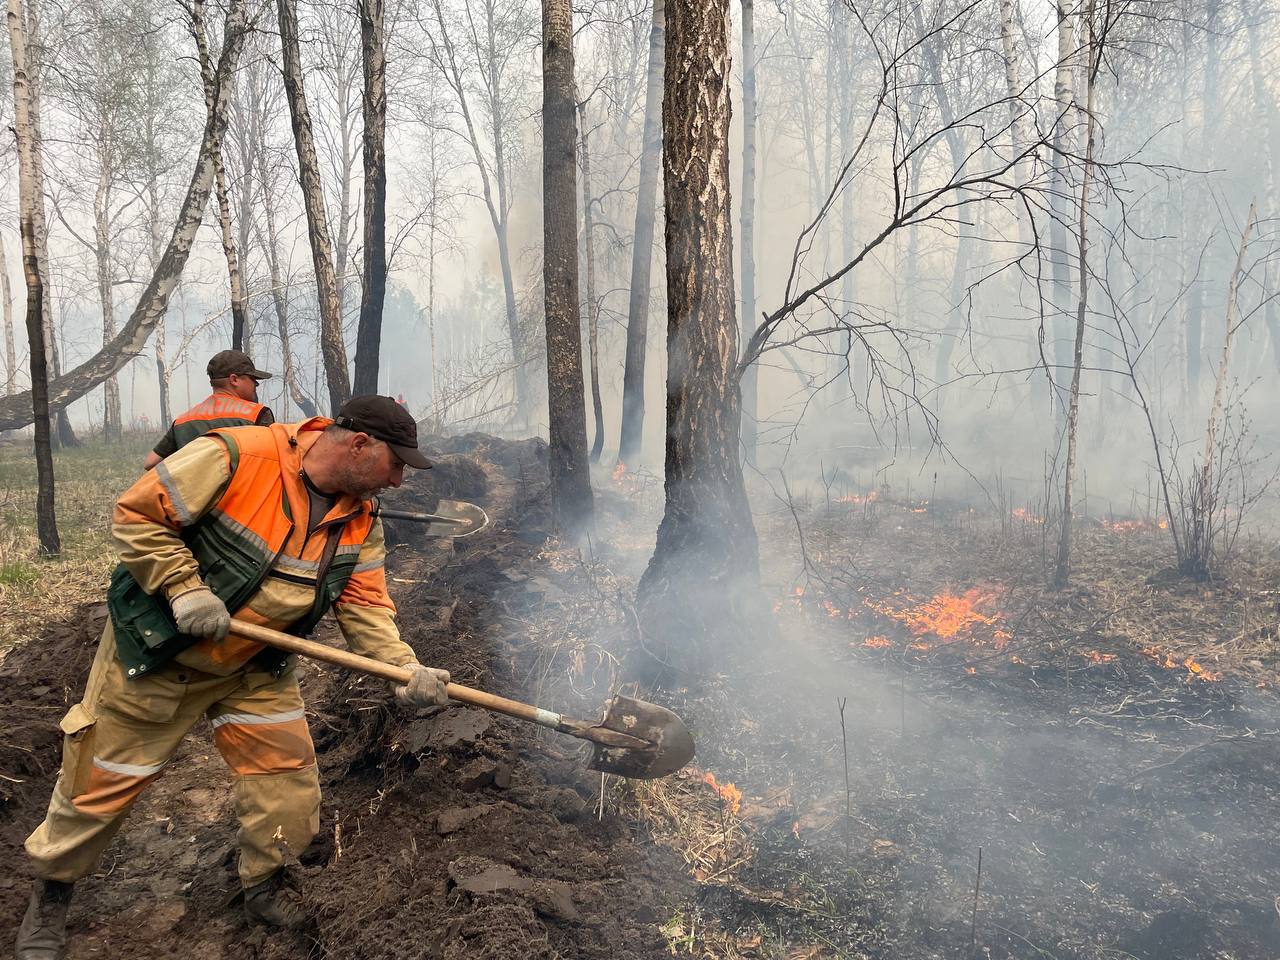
x=571 y=502
x=693 y=597
x=374 y=291
x=332 y=346
x=63 y=434
x=15 y=411
x=31 y=218
x=10 y=350
x=593 y=306
x=747 y=242
x=239 y=297
x=632 y=436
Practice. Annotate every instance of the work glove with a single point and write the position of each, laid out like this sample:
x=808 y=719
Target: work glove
x=199 y=613
x=426 y=688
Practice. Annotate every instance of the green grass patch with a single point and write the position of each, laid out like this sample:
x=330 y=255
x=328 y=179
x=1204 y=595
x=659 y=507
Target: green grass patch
x=88 y=479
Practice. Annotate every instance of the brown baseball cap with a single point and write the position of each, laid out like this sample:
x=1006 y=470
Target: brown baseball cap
x=385 y=420
x=228 y=362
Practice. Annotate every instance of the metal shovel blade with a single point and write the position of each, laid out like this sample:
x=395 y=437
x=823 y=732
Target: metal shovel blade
x=452 y=519
x=668 y=743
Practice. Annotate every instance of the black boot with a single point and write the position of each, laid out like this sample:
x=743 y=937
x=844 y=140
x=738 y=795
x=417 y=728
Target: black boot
x=43 y=934
x=275 y=903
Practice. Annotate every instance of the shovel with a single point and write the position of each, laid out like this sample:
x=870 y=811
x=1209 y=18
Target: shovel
x=453 y=519
x=635 y=739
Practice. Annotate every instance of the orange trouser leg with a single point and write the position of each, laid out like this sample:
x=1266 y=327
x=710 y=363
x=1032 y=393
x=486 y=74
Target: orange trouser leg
x=262 y=734
x=116 y=741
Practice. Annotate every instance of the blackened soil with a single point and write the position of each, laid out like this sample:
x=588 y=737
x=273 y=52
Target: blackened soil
x=1125 y=814
x=448 y=834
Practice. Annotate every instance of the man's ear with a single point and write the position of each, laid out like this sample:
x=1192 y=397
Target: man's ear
x=359 y=442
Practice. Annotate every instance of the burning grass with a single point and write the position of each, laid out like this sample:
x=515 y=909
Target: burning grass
x=698 y=817
x=893 y=585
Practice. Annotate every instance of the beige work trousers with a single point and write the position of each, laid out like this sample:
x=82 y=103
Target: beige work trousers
x=119 y=738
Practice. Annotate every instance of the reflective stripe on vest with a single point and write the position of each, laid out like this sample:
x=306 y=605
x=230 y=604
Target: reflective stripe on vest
x=215 y=412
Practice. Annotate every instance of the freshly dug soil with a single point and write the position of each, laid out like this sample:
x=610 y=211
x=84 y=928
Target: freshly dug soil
x=449 y=834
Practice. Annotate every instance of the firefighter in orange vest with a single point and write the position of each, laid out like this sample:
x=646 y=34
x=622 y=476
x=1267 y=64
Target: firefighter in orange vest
x=267 y=525
x=233 y=403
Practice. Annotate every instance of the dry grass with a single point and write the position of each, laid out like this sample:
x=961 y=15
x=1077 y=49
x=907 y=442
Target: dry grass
x=35 y=591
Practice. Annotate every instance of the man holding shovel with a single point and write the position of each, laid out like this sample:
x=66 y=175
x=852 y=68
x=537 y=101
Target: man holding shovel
x=264 y=525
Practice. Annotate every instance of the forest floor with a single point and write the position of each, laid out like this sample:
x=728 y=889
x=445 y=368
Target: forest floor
x=918 y=701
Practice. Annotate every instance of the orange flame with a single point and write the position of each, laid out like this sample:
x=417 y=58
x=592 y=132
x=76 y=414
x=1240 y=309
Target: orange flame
x=877 y=642
x=727 y=792
x=1196 y=672
x=1125 y=526
x=947 y=616
x=1026 y=516
x=1195 y=669
x=619 y=472
x=971 y=670
x=1093 y=656
x=871 y=497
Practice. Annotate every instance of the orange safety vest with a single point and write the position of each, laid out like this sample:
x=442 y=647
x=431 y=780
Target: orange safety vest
x=213 y=413
x=255 y=530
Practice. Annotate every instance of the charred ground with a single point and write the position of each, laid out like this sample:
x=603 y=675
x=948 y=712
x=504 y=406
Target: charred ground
x=1125 y=804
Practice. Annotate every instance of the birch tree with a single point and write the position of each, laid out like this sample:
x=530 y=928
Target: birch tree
x=493 y=29
x=230 y=251
x=632 y=435
x=31 y=221
x=332 y=346
x=592 y=302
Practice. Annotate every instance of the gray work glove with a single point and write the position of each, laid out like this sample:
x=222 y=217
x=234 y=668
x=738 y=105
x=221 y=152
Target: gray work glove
x=426 y=688
x=199 y=613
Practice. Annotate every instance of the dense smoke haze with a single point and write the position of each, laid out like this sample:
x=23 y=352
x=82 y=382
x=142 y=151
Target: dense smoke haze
x=943 y=339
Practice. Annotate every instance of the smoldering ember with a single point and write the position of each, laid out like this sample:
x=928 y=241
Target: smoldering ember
x=640 y=478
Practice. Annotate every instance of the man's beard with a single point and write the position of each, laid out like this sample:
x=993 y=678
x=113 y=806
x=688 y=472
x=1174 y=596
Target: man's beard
x=358 y=480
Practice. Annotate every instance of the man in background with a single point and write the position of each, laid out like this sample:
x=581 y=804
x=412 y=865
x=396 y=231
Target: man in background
x=233 y=403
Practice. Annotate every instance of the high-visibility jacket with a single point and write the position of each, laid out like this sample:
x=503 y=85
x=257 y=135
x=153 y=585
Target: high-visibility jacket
x=218 y=410
x=230 y=511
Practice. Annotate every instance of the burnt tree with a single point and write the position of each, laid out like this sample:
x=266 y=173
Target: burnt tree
x=694 y=596
x=571 y=504
x=32 y=226
x=332 y=347
x=642 y=248
x=374 y=291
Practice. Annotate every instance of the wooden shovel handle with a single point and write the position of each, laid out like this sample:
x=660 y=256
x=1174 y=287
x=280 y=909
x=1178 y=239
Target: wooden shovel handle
x=402 y=675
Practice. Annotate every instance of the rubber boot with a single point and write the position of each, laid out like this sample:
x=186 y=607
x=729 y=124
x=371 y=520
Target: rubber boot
x=276 y=904
x=43 y=934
